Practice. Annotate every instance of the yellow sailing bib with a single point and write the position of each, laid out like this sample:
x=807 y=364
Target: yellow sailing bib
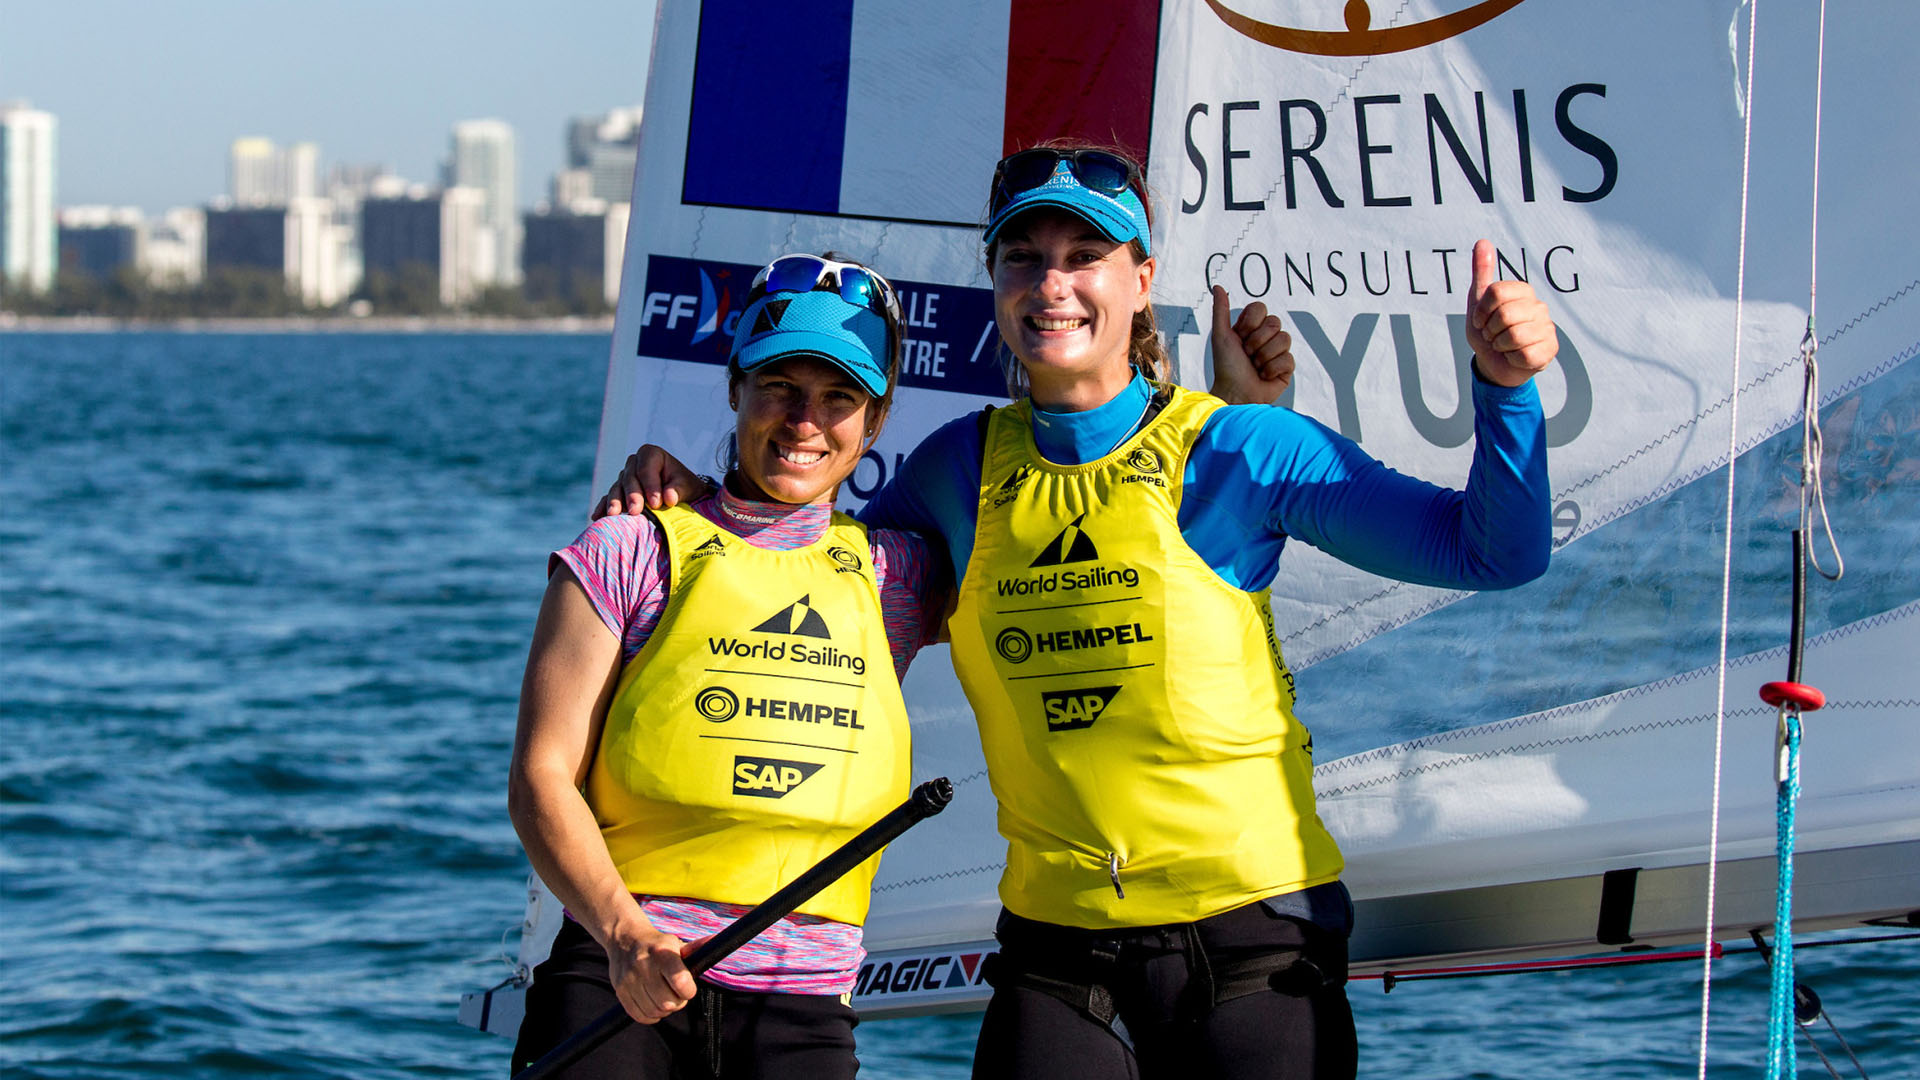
x=1135 y=711
x=759 y=728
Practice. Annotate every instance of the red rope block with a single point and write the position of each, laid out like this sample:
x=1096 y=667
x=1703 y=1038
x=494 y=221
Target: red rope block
x=1799 y=695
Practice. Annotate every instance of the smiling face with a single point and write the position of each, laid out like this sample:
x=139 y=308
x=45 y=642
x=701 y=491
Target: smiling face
x=1064 y=297
x=802 y=426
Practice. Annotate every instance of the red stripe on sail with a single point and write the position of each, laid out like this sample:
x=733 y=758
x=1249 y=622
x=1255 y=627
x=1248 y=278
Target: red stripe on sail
x=1081 y=69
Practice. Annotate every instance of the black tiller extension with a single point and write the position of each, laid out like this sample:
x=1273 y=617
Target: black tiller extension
x=927 y=800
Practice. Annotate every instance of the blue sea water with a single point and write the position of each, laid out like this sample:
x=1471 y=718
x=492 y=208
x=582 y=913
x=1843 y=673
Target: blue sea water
x=264 y=601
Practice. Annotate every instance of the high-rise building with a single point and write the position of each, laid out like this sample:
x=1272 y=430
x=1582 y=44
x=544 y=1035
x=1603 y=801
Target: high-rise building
x=576 y=251
x=255 y=173
x=469 y=255
x=298 y=240
x=316 y=252
x=398 y=230
x=418 y=232
x=176 y=250
x=302 y=171
x=99 y=241
x=569 y=187
x=482 y=158
x=29 y=252
x=246 y=238
x=582 y=133
x=260 y=173
x=612 y=171
x=601 y=151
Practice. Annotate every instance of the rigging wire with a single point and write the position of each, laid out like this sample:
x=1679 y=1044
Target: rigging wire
x=1786 y=1007
x=1726 y=570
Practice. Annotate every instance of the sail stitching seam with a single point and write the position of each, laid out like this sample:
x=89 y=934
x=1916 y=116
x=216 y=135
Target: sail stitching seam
x=1874 y=622
x=1628 y=507
x=1679 y=482
x=1596 y=736
x=942 y=876
x=1794 y=362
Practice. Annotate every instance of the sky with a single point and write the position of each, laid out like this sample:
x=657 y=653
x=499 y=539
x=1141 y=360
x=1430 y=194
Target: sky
x=149 y=95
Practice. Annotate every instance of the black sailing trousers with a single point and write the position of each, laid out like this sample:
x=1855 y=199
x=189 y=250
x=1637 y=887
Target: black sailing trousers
x=722 y=1034
x=1245 y=994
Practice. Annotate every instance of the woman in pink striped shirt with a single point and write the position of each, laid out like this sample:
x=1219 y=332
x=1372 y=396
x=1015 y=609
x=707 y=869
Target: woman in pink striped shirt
x=711 y=702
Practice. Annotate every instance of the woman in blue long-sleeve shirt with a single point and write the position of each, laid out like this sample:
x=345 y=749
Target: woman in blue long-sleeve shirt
x=1113 y=538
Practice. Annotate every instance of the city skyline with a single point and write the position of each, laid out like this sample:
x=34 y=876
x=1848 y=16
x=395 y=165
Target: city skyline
x=148 y=119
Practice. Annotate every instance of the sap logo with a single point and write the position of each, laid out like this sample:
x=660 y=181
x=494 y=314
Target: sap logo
x=713 y=546
x=1010 y=487
x=770 y=778
x=1071 y=546
x=1072 y=710
x=797 y=619
x=850 y=563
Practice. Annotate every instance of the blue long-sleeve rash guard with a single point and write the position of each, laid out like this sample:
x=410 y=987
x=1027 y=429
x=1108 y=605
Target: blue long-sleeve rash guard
x=1258 y=475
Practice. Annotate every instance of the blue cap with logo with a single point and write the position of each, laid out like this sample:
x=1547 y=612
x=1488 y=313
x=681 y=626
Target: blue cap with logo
x=852 y=337
x=1120 y=218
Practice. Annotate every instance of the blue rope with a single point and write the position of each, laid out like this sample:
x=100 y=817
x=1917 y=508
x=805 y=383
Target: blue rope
x=1781 y=1060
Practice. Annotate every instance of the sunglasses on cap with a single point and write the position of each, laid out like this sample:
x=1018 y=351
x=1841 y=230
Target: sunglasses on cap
x=1099 y=171
x=856 y=284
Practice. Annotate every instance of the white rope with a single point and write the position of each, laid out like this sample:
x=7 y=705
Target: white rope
x=1726 y=567
x=1812 y=441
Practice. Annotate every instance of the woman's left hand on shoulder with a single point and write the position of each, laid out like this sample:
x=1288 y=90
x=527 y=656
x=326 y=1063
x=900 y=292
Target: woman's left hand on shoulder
x=1512 y=336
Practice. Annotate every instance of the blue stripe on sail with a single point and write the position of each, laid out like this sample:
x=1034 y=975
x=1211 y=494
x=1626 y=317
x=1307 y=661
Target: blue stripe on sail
x=768 y=125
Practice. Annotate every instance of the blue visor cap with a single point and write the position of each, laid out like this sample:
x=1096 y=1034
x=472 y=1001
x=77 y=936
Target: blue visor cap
x=1119 y=218
x=848 y=336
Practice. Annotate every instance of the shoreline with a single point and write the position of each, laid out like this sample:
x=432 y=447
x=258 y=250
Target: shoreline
x=309 y=324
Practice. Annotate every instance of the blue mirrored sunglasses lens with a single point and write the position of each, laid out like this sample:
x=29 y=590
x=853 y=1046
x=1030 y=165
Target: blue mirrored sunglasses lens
x=859 y=287
x=794 y=274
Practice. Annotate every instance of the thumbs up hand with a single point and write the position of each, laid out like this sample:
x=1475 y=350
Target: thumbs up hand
x=1252 y=357
x=1512 y=336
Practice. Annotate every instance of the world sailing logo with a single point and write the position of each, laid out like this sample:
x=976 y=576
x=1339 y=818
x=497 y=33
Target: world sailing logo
x=1359 y=38
x=1071 y=546
x=797 y=619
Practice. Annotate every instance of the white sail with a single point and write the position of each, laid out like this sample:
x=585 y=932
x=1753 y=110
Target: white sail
x=1337 y=163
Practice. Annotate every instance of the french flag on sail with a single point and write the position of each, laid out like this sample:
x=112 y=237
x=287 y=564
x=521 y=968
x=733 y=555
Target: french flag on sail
x=898 y=108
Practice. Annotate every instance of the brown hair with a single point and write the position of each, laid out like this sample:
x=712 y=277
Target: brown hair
x=1146 y=351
